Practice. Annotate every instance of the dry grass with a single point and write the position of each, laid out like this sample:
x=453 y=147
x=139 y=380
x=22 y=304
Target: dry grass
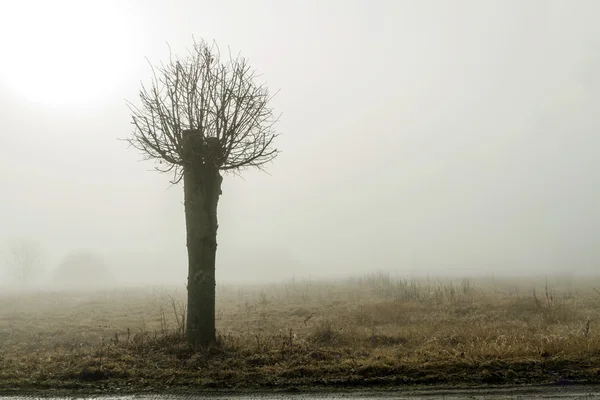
x=373 y=330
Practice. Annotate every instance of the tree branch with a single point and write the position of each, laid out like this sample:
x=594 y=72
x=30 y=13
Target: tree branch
x=220 y=100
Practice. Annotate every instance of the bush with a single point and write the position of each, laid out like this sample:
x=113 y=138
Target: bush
x=83 y=269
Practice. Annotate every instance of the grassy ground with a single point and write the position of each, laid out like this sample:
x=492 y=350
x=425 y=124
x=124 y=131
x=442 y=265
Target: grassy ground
x=373 y=331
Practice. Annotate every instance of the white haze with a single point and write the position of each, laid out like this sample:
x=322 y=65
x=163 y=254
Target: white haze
x=421 y=137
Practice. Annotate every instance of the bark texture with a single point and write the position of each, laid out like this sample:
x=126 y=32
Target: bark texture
x=202 y=188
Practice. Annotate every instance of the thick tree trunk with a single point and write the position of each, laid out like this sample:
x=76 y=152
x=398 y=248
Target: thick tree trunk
x=202 y=188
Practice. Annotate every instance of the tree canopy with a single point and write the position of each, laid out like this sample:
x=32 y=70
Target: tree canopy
x=218 y=99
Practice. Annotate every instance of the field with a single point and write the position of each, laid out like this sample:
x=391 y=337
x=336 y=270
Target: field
x=370 y=331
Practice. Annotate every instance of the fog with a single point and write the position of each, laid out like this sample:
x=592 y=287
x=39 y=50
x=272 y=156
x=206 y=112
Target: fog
x=419 y=137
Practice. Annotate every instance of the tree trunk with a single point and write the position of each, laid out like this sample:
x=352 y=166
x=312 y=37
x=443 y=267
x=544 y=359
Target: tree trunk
x=202 y=188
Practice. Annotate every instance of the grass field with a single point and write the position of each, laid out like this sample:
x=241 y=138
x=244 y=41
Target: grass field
x=371 y=331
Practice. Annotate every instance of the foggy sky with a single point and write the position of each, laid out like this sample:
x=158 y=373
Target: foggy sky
x=417 y=136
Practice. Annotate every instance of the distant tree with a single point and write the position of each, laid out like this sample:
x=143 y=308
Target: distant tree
x=83 y=269
x=25 y=258
x=200 y=117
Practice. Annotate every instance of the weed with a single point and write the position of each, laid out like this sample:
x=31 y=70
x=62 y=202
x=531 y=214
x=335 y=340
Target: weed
x=374 y=328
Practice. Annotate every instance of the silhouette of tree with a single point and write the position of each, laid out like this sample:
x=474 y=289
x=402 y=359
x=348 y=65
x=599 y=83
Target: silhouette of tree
x=202 y=116
x=83 y=269
x=25 y=259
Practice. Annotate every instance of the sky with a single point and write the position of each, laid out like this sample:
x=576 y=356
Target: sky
x=419 y=137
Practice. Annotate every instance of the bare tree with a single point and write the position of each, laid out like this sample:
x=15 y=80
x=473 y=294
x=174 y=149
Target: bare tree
x=24 y=259
x=202 y=116
x=83 y=269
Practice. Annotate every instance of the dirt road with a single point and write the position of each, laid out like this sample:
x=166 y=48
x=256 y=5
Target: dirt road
x=504 y=393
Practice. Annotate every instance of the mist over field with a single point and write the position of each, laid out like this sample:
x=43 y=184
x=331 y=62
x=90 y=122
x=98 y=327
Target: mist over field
x=420 y=138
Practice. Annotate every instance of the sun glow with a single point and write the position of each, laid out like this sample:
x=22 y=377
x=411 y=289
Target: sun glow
x=65 y=52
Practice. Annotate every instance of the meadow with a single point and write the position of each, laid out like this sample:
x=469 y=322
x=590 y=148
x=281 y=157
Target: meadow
x=373 y=331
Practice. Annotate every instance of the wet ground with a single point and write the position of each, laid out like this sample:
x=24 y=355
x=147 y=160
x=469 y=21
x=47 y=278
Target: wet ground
x=544 y=392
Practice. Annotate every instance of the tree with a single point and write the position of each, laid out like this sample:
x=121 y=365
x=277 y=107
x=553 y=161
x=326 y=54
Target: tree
x=24 y=259
x=83 y=269
x=202 y=116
